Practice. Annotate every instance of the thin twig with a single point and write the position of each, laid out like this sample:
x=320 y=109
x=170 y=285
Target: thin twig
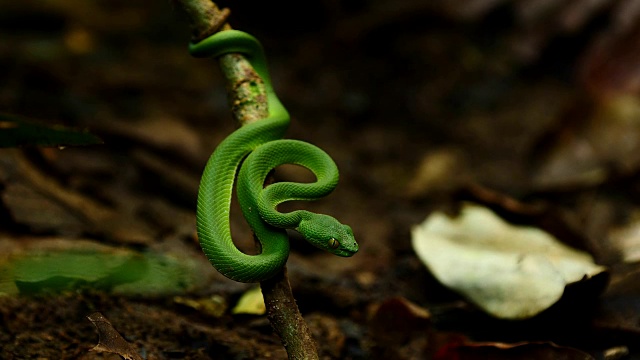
x=248 y=101
x=205 y=18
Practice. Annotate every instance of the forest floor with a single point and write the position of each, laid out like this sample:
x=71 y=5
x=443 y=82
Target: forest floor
x=423 y=108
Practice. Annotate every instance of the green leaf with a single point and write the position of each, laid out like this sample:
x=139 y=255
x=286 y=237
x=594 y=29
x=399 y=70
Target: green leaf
x=116 y=270
x=16 y=131
x=251 y=302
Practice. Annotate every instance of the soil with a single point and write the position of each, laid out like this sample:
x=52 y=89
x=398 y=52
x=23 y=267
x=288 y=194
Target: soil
x=422 y=107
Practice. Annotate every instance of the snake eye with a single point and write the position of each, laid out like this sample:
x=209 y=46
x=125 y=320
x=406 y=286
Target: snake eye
x=333 y=243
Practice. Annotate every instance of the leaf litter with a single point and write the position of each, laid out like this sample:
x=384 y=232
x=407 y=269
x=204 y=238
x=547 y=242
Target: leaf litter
x=488 y=101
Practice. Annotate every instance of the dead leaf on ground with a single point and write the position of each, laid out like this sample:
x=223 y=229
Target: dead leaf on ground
x=399 y=329
x=511 y=272
x=400 y=314
x=440 y=171
x=251 y=302
x=625 y=239
x=214 y=306
x=110 y=339
x=592 y=144
x=564 y=225
x=619 y=309
x=497 y=351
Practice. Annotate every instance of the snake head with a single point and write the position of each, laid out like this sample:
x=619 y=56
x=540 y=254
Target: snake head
x=327 y=233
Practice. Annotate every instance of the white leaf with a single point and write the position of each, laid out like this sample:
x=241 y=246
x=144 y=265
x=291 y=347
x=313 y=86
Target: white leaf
x=511 y=272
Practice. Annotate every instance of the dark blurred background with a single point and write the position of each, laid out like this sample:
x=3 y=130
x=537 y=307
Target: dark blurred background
x=417 y=101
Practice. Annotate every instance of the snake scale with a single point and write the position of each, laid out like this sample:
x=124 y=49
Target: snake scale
x=255 y=149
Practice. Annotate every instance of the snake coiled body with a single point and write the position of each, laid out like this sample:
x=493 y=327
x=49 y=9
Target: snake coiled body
x=257 y=148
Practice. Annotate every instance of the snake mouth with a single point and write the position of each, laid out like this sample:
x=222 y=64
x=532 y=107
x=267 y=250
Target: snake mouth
x=346 y=252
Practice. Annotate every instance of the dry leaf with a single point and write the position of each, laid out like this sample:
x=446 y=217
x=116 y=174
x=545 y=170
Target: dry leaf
x=251 y=302
x=215 y=305
x=110 y=340
x=405 y=317
x=625 y=239
x=593 y=146
x=511 y=272
x=533 y=350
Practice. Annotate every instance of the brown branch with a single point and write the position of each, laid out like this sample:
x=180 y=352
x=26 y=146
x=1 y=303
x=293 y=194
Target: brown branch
x=286 y=319
x=247 y=96
x=245 y=89
x=205 y=18
x=248 y=100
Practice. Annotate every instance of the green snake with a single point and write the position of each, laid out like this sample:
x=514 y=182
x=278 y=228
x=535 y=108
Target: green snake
x=256 y=149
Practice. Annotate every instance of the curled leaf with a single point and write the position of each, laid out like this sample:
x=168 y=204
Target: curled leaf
x=109 y=340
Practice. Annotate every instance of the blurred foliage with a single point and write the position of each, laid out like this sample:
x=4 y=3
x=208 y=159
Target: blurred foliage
x=16 y=131
x=117 y=271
